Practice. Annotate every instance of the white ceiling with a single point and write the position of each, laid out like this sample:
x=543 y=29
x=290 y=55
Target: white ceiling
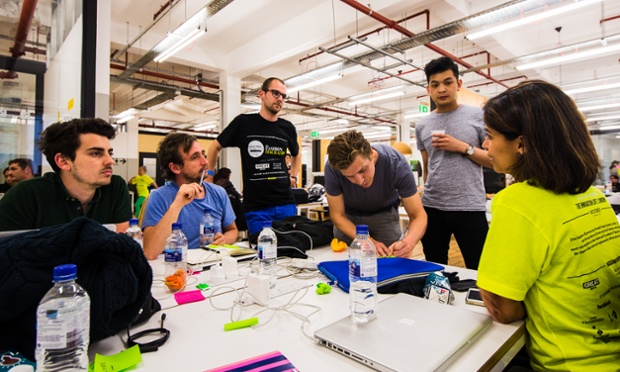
x=251 y=40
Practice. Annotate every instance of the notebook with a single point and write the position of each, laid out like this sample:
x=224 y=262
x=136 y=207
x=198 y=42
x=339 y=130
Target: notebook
x=408 y=333
x=389 y=270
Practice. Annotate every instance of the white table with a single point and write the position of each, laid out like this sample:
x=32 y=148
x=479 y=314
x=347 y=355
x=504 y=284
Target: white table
x=198 y=340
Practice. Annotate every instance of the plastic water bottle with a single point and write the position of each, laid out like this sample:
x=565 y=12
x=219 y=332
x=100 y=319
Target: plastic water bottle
x=207 y=230
x=63 y=324
x=134 y=231
x=362 y=276
x=267 y=253
x=175 y=250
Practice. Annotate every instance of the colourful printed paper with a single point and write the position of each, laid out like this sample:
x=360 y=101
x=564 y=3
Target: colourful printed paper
x=273 y=361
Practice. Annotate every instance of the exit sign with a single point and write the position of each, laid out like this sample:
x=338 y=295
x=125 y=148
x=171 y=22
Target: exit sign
x=314 y=134
x=422 y=108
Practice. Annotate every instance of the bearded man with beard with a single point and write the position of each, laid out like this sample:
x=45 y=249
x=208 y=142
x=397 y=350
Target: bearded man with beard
x=263 y=140
x=184 y=200
x=82 y=184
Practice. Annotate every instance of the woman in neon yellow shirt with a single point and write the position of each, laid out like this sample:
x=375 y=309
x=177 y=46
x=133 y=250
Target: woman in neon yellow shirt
x=552 y=254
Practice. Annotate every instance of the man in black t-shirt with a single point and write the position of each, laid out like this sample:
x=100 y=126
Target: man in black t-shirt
x=263 y=139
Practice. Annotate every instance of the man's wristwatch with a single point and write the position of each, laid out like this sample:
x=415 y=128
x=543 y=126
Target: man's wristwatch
x=470 y=150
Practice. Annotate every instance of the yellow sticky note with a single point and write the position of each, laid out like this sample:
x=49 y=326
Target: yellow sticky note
x=117 y=362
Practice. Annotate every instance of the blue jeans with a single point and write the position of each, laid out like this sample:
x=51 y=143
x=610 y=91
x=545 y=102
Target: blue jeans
x=257 y=218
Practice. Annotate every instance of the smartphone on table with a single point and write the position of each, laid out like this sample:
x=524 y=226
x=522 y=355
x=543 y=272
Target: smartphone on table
x=474 y=297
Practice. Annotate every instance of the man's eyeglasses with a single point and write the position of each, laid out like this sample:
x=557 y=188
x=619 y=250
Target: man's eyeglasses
x=277 y=94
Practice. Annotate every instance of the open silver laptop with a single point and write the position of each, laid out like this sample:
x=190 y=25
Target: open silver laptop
x=408 y=334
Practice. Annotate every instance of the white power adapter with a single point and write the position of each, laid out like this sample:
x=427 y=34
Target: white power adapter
x=258 y=288
x=301 y=263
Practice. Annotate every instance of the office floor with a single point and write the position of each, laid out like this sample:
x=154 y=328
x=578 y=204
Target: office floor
x=455 y=258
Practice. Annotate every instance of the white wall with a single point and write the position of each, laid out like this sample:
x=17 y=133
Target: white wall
x=63 y=82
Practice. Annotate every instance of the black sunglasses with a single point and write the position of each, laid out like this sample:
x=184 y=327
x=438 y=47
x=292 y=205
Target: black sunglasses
x=277 y=94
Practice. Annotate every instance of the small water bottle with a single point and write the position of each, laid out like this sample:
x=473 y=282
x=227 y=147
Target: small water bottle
x=267 y=253
x=362 y=276
x=207 y=230
x=134 y=231
x=175 y=250
x=608 y=188
x=63 y=324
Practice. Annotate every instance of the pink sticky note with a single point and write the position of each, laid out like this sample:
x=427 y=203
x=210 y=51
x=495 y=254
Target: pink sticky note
x=189 y=296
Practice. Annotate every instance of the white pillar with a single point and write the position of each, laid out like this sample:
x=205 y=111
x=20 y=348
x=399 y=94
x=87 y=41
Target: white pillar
x=230 y=107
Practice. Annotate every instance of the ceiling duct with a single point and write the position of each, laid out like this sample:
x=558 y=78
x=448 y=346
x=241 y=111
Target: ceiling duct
x=491 y=16
x=21 y=37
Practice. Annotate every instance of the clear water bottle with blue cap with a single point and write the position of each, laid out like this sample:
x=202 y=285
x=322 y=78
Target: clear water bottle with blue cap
x=362 y=276
x=134 y=231
x=207 y=228
x=63 y=324
x=268 y=252
x=175 y=250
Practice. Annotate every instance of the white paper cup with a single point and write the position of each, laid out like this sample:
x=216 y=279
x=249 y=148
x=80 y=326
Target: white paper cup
x=437 y=132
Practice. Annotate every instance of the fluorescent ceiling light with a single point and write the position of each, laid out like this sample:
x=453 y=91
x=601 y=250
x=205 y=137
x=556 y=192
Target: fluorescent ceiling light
x=530 y=19
x=376 y=98
x=570 y=57
x=372 y=94
x=599 y=107
x=182 y=43
x=251 y=106
x=125 y=119
x=610 y=127
x=603 y=118
x=335 y=130
x=128 y=112
x=313 y=83
x=592 y=88
x=207 y=125
x=340 y=121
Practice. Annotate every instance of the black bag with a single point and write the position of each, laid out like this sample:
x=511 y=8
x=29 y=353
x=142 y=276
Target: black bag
x=292 y=243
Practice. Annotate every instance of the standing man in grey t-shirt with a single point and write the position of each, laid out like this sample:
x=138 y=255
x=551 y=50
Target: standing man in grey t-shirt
x=450 y=141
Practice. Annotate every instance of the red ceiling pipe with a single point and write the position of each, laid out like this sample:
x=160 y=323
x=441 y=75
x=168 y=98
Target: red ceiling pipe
x=162 y=8
x=608 y=19
x=512 y=78
x=168 y=77
x=479 y=53
x=428 y=25
x=399 y=74
x=340 y=111
x=388 y=22
x=21 y=36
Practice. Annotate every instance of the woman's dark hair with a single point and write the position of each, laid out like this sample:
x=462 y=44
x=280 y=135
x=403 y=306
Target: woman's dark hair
x=222 y=174
x=558 y=152
x=168 y=151
x=64 y=137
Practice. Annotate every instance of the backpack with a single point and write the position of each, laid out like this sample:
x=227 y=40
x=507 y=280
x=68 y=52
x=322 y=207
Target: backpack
x=292 y=243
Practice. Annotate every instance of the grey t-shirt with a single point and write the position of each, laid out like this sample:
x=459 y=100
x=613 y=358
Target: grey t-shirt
x=393 y=180
x=454 y=181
